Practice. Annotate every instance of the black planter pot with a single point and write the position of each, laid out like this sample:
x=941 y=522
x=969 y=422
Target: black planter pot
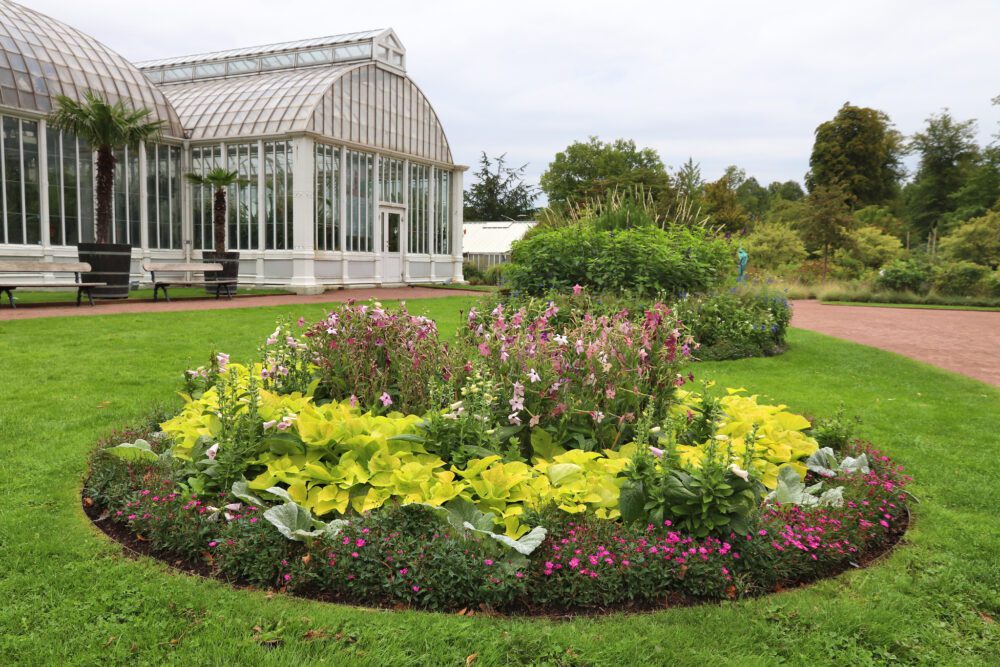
x=110 y=263
x=230 y=269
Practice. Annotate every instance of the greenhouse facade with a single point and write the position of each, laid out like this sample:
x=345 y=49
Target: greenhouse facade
x=348 y=178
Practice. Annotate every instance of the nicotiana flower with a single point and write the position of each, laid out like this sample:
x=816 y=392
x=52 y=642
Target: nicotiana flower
x=386 y=399
x=739 y=472
x=212 y=451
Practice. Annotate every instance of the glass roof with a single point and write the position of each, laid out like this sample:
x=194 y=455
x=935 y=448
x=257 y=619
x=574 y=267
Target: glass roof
x=268 y=103
x=41 y=58
x=268 y=48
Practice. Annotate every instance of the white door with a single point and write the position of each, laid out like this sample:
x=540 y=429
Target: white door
x=392 y=251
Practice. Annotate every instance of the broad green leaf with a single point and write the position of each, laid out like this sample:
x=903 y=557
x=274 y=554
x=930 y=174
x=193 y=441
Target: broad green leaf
x=135 y=452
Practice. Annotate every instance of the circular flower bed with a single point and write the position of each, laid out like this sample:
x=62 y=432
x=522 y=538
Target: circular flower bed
x=544 y=462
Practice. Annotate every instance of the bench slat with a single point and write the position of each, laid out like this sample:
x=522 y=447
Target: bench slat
x=170 y=268
x=207 y=283
x=44 y=267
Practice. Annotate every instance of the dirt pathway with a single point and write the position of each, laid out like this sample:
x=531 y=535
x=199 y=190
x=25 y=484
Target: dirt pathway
x=964 y=341
x=26 y=312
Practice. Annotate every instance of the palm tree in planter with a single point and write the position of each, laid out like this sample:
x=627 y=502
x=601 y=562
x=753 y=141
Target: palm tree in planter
x=219 y=180
x=106 y=127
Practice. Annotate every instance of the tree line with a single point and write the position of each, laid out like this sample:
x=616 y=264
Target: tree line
x=856 y=209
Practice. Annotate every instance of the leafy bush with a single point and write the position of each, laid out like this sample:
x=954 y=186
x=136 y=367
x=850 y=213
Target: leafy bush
x=472 y=272
x=904 y=275
x=775 y=247
x=977 y=240
x=735 y=324
x=960 y=278
x=494 y=275
x=647 y=260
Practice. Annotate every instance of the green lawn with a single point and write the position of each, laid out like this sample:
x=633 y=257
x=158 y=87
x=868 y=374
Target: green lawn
x=69 y=296
x=71 y=597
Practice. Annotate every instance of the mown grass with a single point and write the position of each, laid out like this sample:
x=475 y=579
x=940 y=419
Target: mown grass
x=72 y=597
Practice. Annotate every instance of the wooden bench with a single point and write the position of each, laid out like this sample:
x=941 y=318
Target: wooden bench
x=229 y=285
x=41 y=268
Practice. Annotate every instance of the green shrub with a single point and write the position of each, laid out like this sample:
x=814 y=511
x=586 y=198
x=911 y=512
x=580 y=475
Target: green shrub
x=959 y=278
x=978 y=240
x=904 y=274
x=647 y=260
x=494 y=275
x=775 y=247
x=736 y=324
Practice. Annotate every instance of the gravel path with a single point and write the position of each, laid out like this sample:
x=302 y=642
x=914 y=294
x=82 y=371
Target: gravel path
x=26 y=312
x=964 y=341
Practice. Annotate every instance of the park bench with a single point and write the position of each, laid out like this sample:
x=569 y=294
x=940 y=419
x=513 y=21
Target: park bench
x=228 y=285
x=42 y=268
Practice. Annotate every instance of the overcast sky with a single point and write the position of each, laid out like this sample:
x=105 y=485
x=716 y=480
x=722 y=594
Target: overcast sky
x=723 y=82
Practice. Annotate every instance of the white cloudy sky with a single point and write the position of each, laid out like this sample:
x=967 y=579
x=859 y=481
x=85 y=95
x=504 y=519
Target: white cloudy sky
x=741 y=83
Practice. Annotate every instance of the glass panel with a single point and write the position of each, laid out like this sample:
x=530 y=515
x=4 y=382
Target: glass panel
x=278 y=193
x=210 y=69
x=278 y=62
x=177 y=74
x=54 y=160
x=327 y=198
x=13 y=209
x=360 y=193
x=241 y=200
x=442 y=212
x=242 y=66
x=31 y=161
x=392 y=232
x=419 y=189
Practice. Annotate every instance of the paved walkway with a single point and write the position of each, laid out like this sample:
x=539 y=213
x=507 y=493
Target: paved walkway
x=964 y=341
x=26 y=312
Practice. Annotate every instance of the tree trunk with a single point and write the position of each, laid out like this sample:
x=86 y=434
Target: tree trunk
x=219 y=219
x=105 y=193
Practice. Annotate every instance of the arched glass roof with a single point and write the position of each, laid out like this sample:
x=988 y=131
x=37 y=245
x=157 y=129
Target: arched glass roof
x=41 y=58
x=364 y=104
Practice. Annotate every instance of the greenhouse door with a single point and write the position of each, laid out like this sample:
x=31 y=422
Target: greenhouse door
x=392 y=238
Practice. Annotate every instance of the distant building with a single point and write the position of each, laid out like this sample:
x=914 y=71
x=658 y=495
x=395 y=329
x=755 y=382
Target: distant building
x=487 y=243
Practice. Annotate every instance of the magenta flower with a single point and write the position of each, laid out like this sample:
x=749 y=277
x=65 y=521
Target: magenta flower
x=577 y=289
x=386 y=399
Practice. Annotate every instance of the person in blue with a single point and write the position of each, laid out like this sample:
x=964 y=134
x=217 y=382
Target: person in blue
x=744 y=257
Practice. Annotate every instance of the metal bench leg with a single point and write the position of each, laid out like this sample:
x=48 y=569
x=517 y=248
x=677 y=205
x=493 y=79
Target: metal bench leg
x=229 y=291
x=10 y=295
x=90 y=295
x=79 y=295
x=156 y=292
x=166 y=294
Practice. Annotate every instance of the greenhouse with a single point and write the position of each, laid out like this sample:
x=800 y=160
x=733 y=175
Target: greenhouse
x=347 y=175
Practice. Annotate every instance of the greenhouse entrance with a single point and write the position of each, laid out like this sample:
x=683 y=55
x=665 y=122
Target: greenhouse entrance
x=392 y=256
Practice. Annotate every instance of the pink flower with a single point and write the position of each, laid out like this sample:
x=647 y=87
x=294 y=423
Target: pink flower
x=403 y=571
x=212 y=451
x=416 y=589
x=656 y=451
x=386 y=399
x=577 y=289
x=359 y=542
x=353 y=400
x=488 y=561
x=212 y=543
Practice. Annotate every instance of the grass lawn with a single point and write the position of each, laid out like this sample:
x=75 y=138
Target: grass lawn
x=71 y=597
x=69 y=296
x=925 y=306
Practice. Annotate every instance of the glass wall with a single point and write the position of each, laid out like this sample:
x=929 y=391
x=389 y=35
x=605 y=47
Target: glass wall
x=327 y=193
x=278 y=194
x=71 y=188
x=360 y=202
x=203 y=160
x=442 y=212
x=125 y=209
x=419 y=189
x=390 y=180
x=242 y=213
x=163 y=196
x=19 y=181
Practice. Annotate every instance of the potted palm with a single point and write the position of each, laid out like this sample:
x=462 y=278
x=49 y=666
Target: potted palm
x=219 y=180
x=106 y=127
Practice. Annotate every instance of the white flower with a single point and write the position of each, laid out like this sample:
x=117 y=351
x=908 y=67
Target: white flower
x=739 y=472
x=212 y=451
